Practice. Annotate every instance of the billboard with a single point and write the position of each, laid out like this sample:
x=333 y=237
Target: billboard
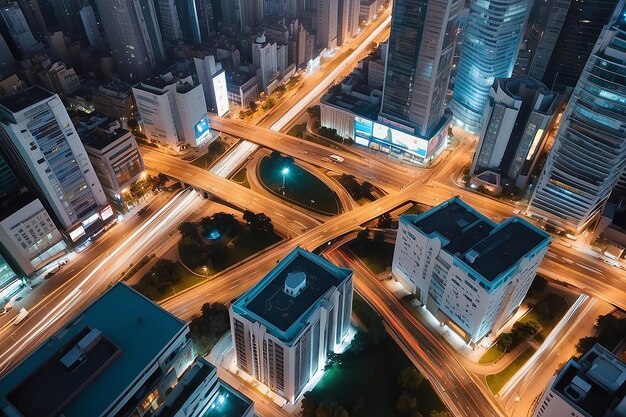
x=201 y=128
x=401 y=139
x=221 y=93
x=106 y=212
x=76 y=233
x=363 y=127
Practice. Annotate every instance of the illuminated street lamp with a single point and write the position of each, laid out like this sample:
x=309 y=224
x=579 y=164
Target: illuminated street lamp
x=284 y=171
x=206 y=271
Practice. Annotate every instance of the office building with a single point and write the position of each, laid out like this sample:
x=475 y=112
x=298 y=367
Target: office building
x=518 y=117
x=471 y=273
x=28 y=235
x=284 y=327
x=7 y=61
x=491 y=41
x=242 y=88
x=173 y=111
x=16 y=30
x=200 y=393
x=213 y=80
x=327 y=23
x=265 y=60
x=90 y=26
x=206 y=23
x=343 y=16
x=188 y=15
x=34 y=17
x=592 y=386
x=60 y=79
x=589 y=153
x=115 y=100
x=354 y=13
x=571 y=31
x=168 y=20
x=45 y=152
x=10 y=281
x=418 y=65
x=132 y=30
x=67 y=14
x=118 y=357
x=115 y=157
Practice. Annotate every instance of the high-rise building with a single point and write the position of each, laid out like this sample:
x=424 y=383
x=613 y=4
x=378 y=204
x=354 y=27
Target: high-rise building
x=132 y=30
x=67 y=13
x=354 y=13
x=188 y=14
x=284 y=327
x=491 y=41
x=15 y=29
x=518 y=117
x=168 y=20
x=43 y=149
x=250 y=14
x=418 y=65
x=173 y=111
x=34 y=16
x=213 y=80
x=90 y=26
x=566 y=43
x=7 y=61
x=327 y=18
x=589 y=153
x=206 y=22
x=265 y=60
x=343 y=19
x=471 y=273
x=592 y=386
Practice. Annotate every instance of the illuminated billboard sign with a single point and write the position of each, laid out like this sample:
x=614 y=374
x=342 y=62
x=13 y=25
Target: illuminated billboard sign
x=76 y=233
x=106 y=212
x=401 y=139
x=221 y=93
x=363 y=127
x=202 y=127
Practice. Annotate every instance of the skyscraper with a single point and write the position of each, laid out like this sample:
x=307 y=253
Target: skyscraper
x=168 y=20
x=327 y=16
x=206 y=23
x=572 y=31
x=67 y=13
x=490 y=47
x=17 y=32
x=90 y=25
x=589 y=152
x=134 y=36
x=419 y=61
x=343 y=18
x=44 y=150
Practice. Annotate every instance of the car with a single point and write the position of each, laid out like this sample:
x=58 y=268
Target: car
x=336 y=158
x=64 y=261
x=142 y=211
x=49 y=274
x=5 y=310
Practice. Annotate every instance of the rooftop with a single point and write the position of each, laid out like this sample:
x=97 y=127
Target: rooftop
x=133 y=331
x=228 y=403
x=484 y=246
x=595 y=383
x=268 y=302
x=25 y=98
x=101 y=139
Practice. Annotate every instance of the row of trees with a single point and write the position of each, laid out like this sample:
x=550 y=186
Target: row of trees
x=355 y=189
x=611 y=331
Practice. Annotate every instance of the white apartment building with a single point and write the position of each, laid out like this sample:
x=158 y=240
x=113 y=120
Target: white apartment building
x=30 y=237
x=213 y=80
x=44 y=150
x=327 y=27
x=265 y=60
x=592 y=386
x=471 y=273
x=173 y=111
x=115 y=157
x=284 y=327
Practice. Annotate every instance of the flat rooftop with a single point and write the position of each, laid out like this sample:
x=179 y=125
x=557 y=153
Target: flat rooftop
x=596 y=383
x=268 y=301
x=25 y=98
x=484 y=246
x=100 y=139
x=134 y=331
x=228 y=403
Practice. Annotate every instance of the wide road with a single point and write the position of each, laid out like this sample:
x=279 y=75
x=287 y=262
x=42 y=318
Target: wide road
x=68 y=292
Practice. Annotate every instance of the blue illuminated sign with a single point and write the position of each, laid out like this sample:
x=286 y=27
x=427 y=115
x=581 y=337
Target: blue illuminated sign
x=201 y=127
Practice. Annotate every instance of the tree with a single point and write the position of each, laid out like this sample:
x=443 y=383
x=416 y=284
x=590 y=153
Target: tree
x=366 y=190
x=276 y=155
x=209 y=327
x=226 y=223
x=384 y=221
x=330 y=409
x=539 y=284
x=253 y=106
x=162 y=179
x=410 y=379
x=379 y=238
x=261 y=225
x=506 y=341
x=307 y=405
x=248 y=216
x=188 y=229
x=359 y=343
x=406 y=403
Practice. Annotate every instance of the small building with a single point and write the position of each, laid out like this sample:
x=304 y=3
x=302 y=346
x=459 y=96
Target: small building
x=116 y=100
x=284 y=327
x=242 y=88
x=115 y=157
x=592 y=386
x=471 y=273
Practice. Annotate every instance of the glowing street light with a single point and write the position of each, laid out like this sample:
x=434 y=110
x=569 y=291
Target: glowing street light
x=284 y=171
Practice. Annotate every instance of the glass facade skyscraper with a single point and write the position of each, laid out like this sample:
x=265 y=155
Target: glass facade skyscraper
x=419 y=61
x=490 y=47
x=589 y=153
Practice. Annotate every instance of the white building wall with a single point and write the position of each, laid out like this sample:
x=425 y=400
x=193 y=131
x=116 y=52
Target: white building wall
x=157 y=116
x=190 y=109
x=31 y=237
x=553 y=405
x=335 y=118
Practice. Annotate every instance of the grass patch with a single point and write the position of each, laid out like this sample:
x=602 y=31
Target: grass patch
x=492 y=354
x=181 y=278
x=497 y=381
x=547 y=312
x=376 y=260
x=300 y=185
x=297 y=130
x=245 y=244
x=241 y=177
x=216 y=149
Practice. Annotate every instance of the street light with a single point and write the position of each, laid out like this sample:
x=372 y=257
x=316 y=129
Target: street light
x=206 y=271
x=284 y=171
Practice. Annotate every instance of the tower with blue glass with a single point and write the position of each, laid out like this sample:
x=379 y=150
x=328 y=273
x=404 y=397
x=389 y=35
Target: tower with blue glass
x=490 y=47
